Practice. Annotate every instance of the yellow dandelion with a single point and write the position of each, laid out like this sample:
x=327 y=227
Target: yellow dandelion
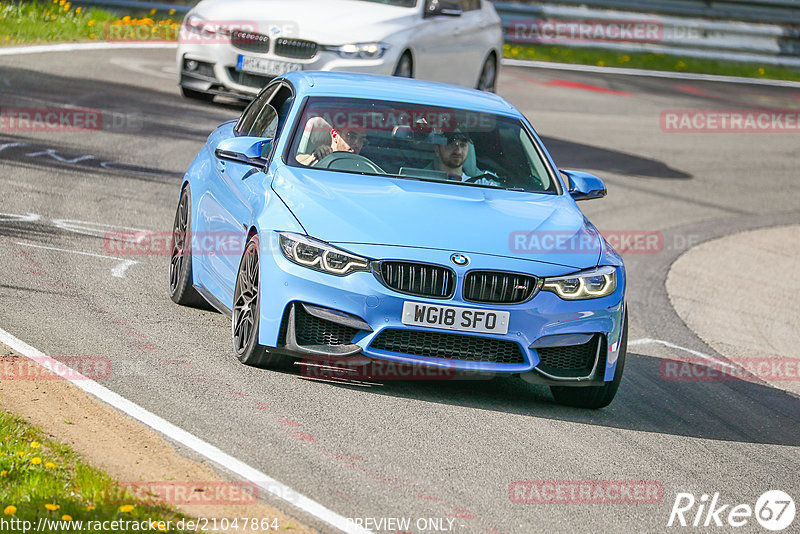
x=10 y=510
x=66 y=517
x=3 y=474
x=89 y=508
x=62 y=2
x=126 y=508
x=66 y=6
x=761 y=71
x=601 y=63
x=52 y=507
x=78 y=10
x=20 y=453
x=152 y=11
x=91 y=23
x=91 y=36
x=50 y=465
x=34 y=444
x=36 y=461
x=171 y=11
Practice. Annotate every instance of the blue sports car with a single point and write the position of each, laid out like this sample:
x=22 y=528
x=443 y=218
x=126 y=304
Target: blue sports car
x=349 y=216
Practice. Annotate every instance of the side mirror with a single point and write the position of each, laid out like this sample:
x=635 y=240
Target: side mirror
x=447 y=8
x=584 y=186
x=247 y=150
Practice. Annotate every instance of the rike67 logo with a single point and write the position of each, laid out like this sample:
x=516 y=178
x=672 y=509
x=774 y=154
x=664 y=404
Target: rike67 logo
x=774 y=510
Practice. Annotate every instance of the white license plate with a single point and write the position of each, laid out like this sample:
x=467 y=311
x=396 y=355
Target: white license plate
x=455 y=318
x=258 y=65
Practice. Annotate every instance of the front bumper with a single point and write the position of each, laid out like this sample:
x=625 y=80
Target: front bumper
x=223 y=78
x=544 y=325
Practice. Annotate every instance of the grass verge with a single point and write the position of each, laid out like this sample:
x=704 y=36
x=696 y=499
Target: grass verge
x=607 y=58
x=58 y=21
x=45 y=479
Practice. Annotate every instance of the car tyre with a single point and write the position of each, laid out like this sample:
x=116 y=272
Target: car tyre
x=196 y=95
x=488 y=78
x=181 y=290
x=595 y=397
x=247 y=311
x=405 y=66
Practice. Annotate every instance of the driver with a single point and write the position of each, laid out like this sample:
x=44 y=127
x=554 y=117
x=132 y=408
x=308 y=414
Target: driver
x=451 y=157
x=342 y=140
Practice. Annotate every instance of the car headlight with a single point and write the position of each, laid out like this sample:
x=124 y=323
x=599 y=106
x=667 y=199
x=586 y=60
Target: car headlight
x=200 y=26
x=593 y=284
x=359 y=50
x=320 y=256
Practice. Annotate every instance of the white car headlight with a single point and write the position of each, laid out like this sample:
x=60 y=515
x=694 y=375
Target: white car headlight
x=359 y=50
x=205 y=28
x=320 y=256
x=593 y=284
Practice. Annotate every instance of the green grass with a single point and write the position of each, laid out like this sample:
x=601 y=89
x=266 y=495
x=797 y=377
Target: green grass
x=47 y=22
x=43 y=478
x=606 y=58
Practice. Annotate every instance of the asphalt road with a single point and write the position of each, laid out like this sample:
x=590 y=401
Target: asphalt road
x=404 y=449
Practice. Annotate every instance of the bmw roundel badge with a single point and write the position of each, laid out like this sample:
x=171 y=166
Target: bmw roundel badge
x=459 y=259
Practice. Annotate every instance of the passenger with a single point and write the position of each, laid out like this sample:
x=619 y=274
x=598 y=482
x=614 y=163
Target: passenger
x=344 y=140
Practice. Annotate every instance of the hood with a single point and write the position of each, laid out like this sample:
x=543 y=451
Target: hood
x=328 y=22
x=346 y=208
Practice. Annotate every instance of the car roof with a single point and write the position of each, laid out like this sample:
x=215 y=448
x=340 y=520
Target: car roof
x=376 y=87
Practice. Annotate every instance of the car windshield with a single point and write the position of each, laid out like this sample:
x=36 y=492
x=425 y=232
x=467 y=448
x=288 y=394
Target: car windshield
x=399 y=3
x=419 y=142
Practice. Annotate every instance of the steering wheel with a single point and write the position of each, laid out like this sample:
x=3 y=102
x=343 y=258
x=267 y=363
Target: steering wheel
x=348 y=161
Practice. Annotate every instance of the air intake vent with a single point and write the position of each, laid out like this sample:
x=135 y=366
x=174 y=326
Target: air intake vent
x=496 y=287
x=570 y=361
x=449 y=346
x=295 y=48
x=250 y=41
x=421 y=279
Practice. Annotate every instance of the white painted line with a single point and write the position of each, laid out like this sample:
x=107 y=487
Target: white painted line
x=647 y=73
x=118 y=271
x=648 y=341
x=14 y=217
x=262 y=480
x=73 y=47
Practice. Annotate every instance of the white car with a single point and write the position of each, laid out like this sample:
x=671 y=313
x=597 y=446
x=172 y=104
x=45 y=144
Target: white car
x=235 y=47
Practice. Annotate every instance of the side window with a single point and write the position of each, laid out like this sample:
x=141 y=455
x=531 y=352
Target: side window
x=251 y=113
x=470 y=5
x=282 y=102
x=272 y=116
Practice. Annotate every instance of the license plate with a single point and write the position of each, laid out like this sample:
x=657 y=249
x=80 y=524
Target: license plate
x=455 y=318
x=259 y=65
